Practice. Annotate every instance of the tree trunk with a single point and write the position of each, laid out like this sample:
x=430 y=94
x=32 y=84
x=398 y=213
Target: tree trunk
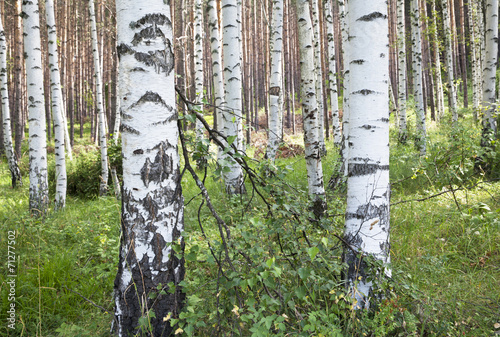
x=39 y=191
x=310 y=109
x=275 y=135
x=57 y=106
x=418 y=77
x=152 y=212
x=403 y=130
x=103 y=189
x=332 y=74
x=448 y=51
x=198 y=64
x=368 y=187
x=232 y=115
x=4 y=96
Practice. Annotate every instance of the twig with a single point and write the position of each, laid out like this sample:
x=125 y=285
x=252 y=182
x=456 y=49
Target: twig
x=90 y=301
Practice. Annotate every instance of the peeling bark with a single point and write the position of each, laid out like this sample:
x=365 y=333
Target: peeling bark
x=152 y=202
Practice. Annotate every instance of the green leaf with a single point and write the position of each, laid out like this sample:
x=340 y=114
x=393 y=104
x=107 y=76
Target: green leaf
x=304 y=273
x=300 y=292
x=313 y=251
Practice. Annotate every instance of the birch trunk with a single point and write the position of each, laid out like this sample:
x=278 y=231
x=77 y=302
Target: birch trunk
x=343 y=9
x=215 y=49
x=198 y=64
x=152 y=212
x=232 y=114
x=39 y=192
x=437 y=65
x=489 y=70
x=275 y=134
x=57 y=106
x=401 y=32
x=448 y=50
x=103 y=189
x=6 y=122
x=332 y=74
x=368 y=188
x=475 y=58
x=310 y=108
x=418 y=76
x=319 y=75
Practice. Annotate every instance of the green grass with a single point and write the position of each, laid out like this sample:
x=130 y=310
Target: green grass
x=445 y=253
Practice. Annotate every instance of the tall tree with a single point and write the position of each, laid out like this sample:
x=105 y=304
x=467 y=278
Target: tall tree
x=152 y=212
x=275 y=134
x=489 y=71
x=448 y=51
x=368 y=188
x=103 y=188
x=418 y=76
x=310 y=108
x=4 y=97
x=233 y=112
x=198 y=62
x=57 y=106
x=401 y=29
x=437 y=64
x=332 y=73
x=39 y=191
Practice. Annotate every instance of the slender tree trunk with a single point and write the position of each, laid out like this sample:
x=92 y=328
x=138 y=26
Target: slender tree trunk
x=39 y=191
x=275 y=134
x=103 y=189
x=475 y=58
x=489 y=71
x=6 y=122
x=403 y=130
x=418 y=77
x=232 y=85
x=437 y=65
x=310 y=109
x=368 y=187
x=332 y=74
x=57 y=106
x=198 y=64
x=152 y=212
x=448 y=50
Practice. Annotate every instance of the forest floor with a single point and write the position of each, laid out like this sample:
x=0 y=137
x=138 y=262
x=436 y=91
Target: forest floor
x=445 y=251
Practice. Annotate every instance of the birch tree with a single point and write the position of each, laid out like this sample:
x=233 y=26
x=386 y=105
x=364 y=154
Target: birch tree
x=275 y=134
x=401 y=32
x=103 y=189
x=343 y=9
x=418 y=76
x=198 y=63
x=232 y=113
x=489 y=70
x=448 y=50
x=39 y=192
x=310 y=108
x=318 y=71
x=332 y=74
x=368 y=188
x=437 y=64
x=4 y=96
x=57 y=106
x=152 y=212
x=476 y=59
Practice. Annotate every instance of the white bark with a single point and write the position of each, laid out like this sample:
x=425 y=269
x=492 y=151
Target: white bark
x=4 y=97
x=368 y=188
x=343 y=9
x=152 y=213
x=490 y=68
x=475 y=58
x=418 y=76
x=437 y=66
x=103 y=189
x=310 y=107
x=319 y=75
x=216 y=51
x=198 y=63
x=39 y=192
x=332 y=74
x=275 y=134
x=403 y=130
x=448 y=51
x=232 y=114
x=57 y=106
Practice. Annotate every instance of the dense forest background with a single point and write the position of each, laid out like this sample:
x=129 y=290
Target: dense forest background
x=264 y=262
